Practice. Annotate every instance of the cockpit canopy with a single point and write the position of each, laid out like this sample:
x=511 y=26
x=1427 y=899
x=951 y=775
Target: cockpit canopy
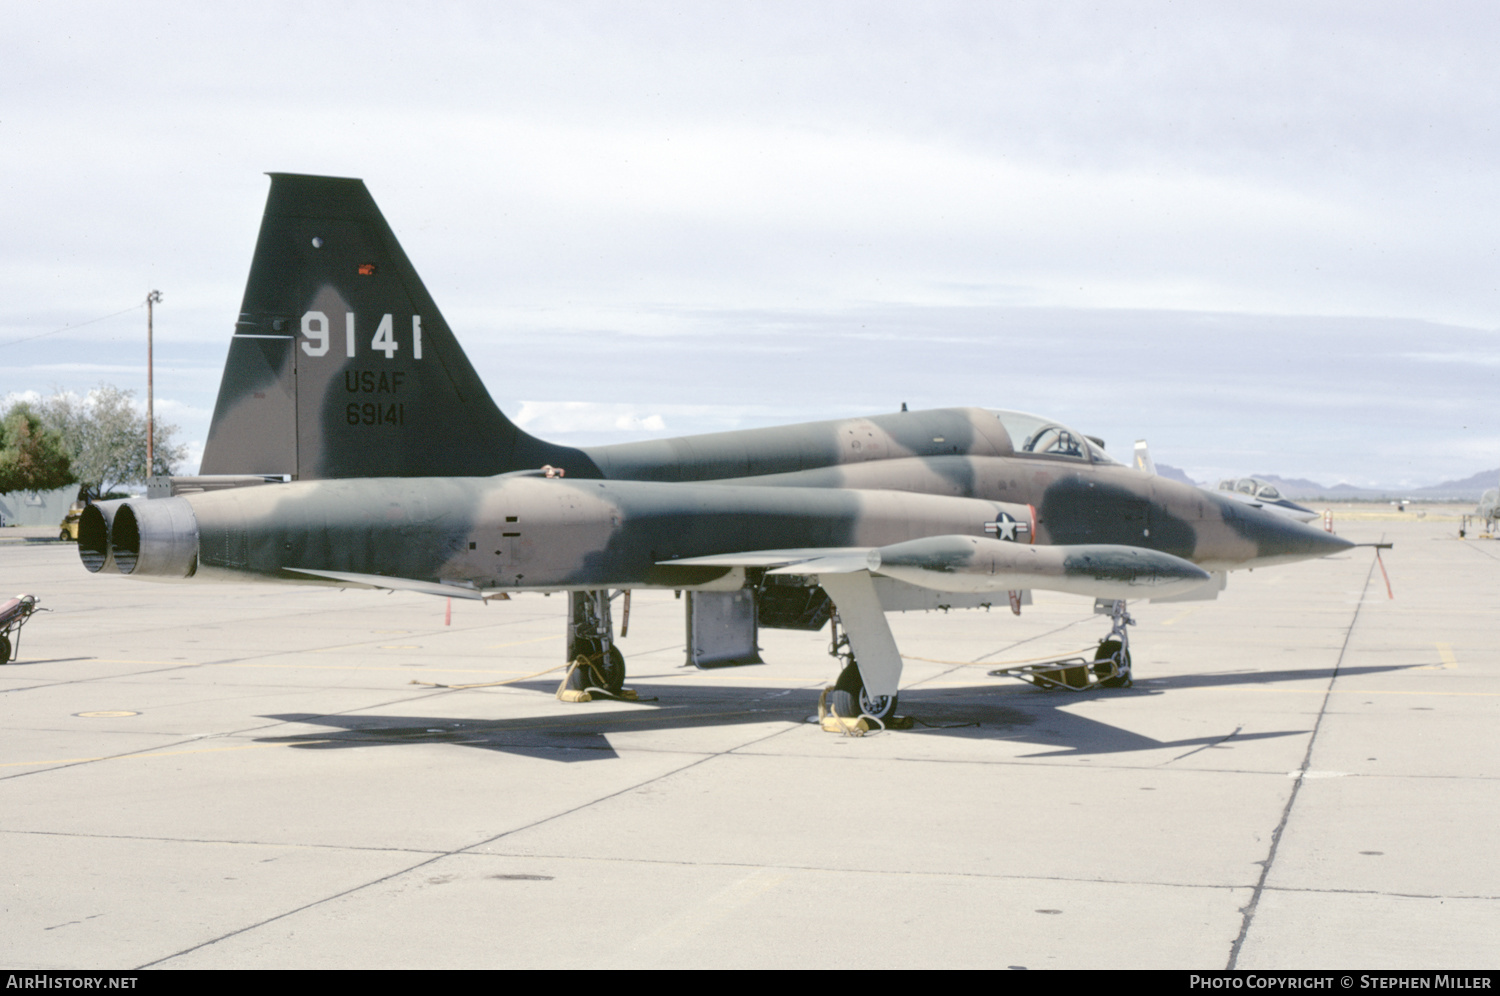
x=1030 y=434
x=1252 y=486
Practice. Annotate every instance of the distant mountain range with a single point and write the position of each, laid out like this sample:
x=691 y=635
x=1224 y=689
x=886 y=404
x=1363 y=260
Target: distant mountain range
x=1468 y=489
x=1173 y=474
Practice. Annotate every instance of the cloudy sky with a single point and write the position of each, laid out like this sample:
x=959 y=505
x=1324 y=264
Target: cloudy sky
x=1263 y=236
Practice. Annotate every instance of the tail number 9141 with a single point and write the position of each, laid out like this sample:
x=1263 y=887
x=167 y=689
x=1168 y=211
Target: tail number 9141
x=315 y=327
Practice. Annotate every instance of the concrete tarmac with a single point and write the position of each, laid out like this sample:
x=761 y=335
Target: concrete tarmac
x=1306 y=774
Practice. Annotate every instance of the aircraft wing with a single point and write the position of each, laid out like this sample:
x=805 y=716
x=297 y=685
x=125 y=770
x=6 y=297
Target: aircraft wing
x=972 y=564
x=831 y=559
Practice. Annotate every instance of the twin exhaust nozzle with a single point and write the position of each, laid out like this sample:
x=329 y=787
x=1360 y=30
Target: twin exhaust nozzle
x=154 y=538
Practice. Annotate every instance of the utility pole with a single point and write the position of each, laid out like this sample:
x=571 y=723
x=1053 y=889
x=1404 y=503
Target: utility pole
x=153 y=298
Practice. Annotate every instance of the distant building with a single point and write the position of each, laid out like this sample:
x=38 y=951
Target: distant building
x=36 y=508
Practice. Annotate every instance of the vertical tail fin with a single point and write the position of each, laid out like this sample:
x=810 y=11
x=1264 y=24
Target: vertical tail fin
x=1143 y=459
x=341 y=365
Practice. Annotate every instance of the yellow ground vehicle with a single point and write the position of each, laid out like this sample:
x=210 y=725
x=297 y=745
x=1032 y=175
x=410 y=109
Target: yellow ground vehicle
x=69 y=531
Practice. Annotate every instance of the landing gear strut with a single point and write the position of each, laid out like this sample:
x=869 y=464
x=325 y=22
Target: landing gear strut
x=1110 y=667
x=591 y=636
x=849 y=698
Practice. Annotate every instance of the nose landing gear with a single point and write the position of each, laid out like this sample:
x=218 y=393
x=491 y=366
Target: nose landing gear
x=600 y=665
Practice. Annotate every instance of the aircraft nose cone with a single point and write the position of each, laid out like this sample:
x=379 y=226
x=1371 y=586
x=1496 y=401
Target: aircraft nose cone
x=1280 y=540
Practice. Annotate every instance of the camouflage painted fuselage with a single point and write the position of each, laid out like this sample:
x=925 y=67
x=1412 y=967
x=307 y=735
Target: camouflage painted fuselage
x=538 y=533
x=531 y=532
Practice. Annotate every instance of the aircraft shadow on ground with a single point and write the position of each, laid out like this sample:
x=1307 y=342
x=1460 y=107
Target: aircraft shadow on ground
x=995 y=710
x=1213 y=679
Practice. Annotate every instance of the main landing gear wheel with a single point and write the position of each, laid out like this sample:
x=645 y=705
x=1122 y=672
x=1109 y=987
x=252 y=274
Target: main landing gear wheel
x=607 y=673
x=1108 y=654
x=850 y=700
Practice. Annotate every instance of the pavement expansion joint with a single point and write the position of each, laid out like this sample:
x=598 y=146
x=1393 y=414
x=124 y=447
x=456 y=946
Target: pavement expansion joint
x=221 y=841
x=1276 y=835
x=877 y=872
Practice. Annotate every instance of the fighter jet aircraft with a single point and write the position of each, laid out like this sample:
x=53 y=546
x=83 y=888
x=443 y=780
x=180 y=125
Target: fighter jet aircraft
x=1251 y=490
x=1264 y=494
x=1488 y=512
x=353 y=444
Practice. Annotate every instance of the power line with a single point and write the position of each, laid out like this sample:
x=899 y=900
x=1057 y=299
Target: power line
x=67 y=328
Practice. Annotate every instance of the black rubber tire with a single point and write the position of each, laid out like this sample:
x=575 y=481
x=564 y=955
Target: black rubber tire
x=4 y=650
x=1107 y=649
x=64 y=536
x=849 y=699
x=613 y=671
x=610 y=676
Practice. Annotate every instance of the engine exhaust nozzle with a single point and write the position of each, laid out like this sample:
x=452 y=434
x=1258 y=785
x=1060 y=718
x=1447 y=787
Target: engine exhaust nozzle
x=93 y=536
x=155 y=538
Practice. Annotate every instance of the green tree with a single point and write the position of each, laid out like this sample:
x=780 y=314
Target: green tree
x=106 y=438
x=32 y=457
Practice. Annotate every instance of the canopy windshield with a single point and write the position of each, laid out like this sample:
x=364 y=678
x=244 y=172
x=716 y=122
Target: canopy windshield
x=1252 y=486
x=1031 y=434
